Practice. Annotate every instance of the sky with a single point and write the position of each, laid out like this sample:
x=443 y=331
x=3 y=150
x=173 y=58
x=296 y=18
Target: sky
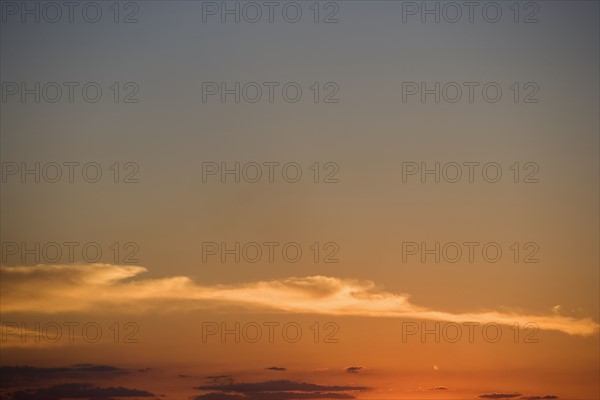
x=300 y=200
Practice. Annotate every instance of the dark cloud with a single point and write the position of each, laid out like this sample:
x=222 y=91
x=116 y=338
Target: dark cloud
x=277 y=368
x=79 y=390
x=11 y=376
x=220 y=396
x=438 y=388
x=500 y=395
x=276 y=390
x=220 y=378
x=547 y=397
x=278 y=386
x=354 y=370
x=274 y=396
x=98 y=368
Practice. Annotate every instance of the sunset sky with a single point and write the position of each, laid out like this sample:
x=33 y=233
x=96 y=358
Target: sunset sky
x=142 y=269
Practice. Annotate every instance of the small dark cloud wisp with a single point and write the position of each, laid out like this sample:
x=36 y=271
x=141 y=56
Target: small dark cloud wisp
x=354 y=370
x=277 y=390
x=500 y=395
x=14 y=376
x=78 y=390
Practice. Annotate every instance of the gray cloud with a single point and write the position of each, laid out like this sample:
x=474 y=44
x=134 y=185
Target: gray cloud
x=354 y=370
x=220 y=378
x=500 y=395
x=79 y=390
x=278 y=386
x=276 y=390
x=274 y=396
x=12 y=376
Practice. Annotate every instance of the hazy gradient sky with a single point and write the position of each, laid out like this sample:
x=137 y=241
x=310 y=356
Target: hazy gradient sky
x=373 y=293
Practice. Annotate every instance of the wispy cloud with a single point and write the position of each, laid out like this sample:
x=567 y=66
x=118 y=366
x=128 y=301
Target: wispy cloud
x=15 y=336
x=354 y=370
x=13 y=376
x=220 y=379
x=280 y=386
x=70 y=288
x=277 y=390
x=79 y=390
x=438 y=388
